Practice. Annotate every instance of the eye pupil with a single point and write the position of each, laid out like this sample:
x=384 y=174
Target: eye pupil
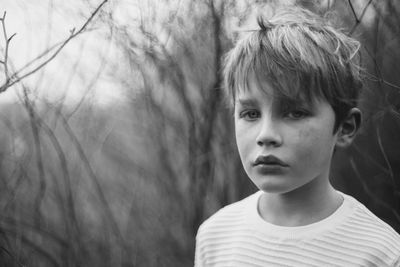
x=250 y=114
x=297 y=114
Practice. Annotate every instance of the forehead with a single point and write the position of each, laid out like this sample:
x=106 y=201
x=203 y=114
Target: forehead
x=259 y=87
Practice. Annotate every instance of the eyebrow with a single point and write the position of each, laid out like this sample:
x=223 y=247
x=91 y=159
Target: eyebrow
x=246 y=101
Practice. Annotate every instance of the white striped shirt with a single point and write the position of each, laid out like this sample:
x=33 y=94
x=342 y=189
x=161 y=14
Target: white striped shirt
x=352 y=236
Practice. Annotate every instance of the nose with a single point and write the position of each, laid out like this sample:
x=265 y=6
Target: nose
x=269 y=134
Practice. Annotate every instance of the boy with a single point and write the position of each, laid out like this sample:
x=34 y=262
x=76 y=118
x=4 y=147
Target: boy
x=294 y=85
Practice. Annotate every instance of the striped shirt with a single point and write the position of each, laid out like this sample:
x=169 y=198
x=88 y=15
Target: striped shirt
x=352 y=236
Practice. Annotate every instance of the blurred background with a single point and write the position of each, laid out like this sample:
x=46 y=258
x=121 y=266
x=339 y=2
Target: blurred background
x=116 y=142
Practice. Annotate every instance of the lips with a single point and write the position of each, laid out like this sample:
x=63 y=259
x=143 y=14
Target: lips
x=269 y=161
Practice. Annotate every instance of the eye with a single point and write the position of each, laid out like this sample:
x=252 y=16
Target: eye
x=250 y=114
x=297 y=114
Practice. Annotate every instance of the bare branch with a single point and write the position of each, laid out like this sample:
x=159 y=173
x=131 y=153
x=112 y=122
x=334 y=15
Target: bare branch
x=15 y=259
x=354 y=12
x=7 y=45
x=39 y=157
x=17 y=76
x=15 y=225
x=379 y=72
x=34 y=246
x=64 y=167
x=371 y=160
x=370 y=193
x=385 y=156
x=92 y=83
x=358 y=19
x=86 y=163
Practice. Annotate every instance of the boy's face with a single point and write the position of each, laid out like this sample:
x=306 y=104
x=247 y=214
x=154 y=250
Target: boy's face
x=283 y=146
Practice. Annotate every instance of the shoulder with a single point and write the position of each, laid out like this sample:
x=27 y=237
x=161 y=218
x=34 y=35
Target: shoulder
x=363 y=218
x=229 y=216
x=216 y=235
x=366 y=232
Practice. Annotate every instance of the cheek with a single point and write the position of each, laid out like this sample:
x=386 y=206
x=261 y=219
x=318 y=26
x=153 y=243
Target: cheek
x=242 y=137
x=313 y=143
x=244 y=140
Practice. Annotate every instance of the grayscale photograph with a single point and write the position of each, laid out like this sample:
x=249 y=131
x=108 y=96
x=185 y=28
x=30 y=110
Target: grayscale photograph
x=200 y=133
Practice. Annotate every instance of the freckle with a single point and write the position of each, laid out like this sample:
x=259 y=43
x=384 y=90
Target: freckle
x=304 y=133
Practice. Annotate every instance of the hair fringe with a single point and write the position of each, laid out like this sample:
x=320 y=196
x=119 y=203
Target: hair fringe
x=299 y=46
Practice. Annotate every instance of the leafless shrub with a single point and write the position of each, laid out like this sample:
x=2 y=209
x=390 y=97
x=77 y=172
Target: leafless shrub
x=130 y=184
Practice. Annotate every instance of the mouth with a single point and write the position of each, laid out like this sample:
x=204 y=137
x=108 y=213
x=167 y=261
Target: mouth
x=269 y=161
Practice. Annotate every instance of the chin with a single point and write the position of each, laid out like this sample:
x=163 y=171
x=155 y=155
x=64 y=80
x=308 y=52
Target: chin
x=274 y=187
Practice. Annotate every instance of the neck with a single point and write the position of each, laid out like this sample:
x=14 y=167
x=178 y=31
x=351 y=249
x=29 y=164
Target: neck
x=308 y=204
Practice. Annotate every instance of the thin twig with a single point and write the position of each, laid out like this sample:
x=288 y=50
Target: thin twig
x=379 y=72
x=92 y=83
x=7 y=45
x=39 y=156
x=354 y=12
x=368 y=157
x=17 y=77
x=13 y=223
x=108 y=212
x=71 y=213
x=358 y=19
x=369 y=192
x=374 y=78
x=38 y=248
x=12 y=256
x=385 y=156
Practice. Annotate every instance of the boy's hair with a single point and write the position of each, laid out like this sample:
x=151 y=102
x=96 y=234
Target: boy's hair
x=302 y=56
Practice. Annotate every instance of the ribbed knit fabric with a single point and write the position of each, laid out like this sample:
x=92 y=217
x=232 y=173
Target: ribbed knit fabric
x=352 y=236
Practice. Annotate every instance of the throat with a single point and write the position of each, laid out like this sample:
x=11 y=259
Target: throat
x=290 y=211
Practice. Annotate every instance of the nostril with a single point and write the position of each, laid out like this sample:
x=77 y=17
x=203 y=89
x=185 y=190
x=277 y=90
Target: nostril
x=267 y=143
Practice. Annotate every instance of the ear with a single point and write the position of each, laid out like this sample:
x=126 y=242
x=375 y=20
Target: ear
x=349 y=127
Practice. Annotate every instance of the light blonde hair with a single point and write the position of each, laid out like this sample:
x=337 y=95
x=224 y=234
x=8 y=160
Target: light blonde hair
x=302 y=56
